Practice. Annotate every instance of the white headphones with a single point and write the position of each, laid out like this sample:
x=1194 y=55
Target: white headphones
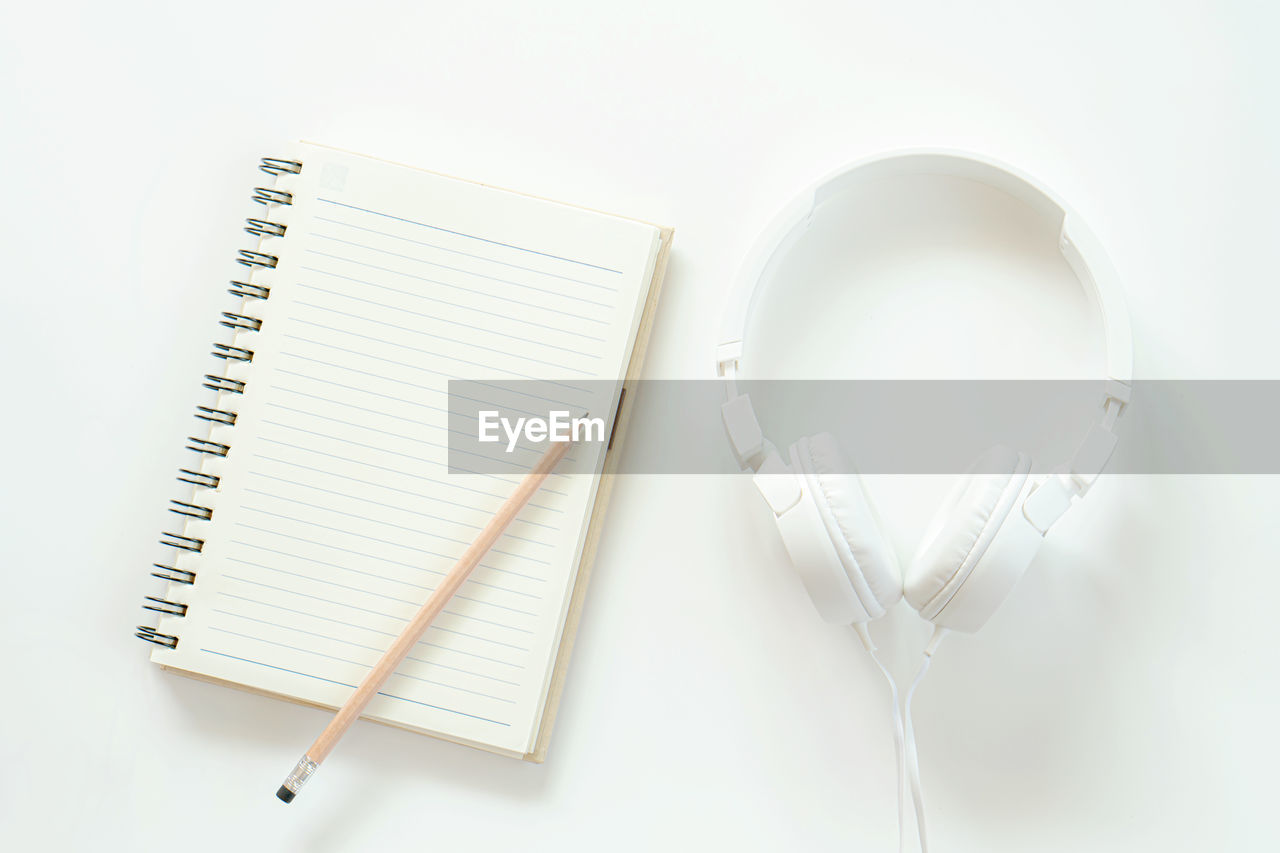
x=988 y=530
x=986 y=533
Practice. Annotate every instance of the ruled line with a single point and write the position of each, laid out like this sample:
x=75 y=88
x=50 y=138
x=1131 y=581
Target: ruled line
x=429 y=352
x=374 y=612
x=396 y=674
x=414 y=421
x=502 y=336
x=569 y=457
x=395 y=471
x=332 y=565
x=401 y=601
x=415 y=259
x=405 y=491
x=407 y=601
x=352 y=686
x=411 y=602
x=546 y=489
x=468 y=236
x=538 y=542
x=458 y=305
x=364 y=500
x=293 y=555
x=275 y=607
x=392 y=542
x=446 y=376
x=432 y=389
x=361 y=390
x=274 y=405
x=424 y=661
x=412 y=456
x=465 y=254
x=376 y=485
x=382 y=559
x=450 y=466
x=350 y=405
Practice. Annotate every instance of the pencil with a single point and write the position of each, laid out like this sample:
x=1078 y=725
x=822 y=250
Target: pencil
x=408 y=638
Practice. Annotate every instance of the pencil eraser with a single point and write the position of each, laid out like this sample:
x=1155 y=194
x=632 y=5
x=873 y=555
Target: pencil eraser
x=285 y=794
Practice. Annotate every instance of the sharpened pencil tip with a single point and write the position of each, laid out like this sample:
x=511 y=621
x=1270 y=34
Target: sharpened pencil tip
x=285 y=794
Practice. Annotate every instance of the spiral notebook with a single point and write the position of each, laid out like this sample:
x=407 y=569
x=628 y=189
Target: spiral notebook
x=321 y=509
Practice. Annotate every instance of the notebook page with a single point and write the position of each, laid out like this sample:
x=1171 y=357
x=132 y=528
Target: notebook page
x=336 y=514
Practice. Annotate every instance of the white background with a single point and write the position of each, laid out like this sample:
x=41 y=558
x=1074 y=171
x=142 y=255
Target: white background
x=1124 y=699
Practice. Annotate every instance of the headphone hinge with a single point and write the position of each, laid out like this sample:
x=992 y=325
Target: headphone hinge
x=1048 y=502
x=727 y=356
x=777 y=484
x=743 y=429
x=1117 y=394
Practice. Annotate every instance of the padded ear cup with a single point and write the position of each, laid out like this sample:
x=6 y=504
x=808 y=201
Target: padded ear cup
x=851 y=522
x=964 y=528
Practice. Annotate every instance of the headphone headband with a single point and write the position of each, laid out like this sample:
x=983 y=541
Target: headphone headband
x=987 y=533
x=1081 y=249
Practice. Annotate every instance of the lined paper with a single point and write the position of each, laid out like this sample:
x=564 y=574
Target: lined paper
x=337 y=513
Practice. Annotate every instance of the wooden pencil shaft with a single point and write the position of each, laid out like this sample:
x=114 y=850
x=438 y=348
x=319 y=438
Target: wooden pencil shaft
x=417 y=626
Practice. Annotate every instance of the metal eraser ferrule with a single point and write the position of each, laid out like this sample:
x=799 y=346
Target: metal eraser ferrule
x=297 y=778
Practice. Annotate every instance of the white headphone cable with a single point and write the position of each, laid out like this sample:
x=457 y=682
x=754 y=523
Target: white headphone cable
x=912 y=758
x=899 y=738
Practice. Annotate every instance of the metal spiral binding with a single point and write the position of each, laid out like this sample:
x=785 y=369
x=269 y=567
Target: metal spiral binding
x=245 y=290
x=203 y=513
x=264 y=228
x=215 y=382
x=185 y=543
x=235 y=353
x=268 y=196
x=151 y=635
x=198 y=478
x=207 y=447
x=216 y=416
x=250 y=258
x=232 y=320
x=176 y=575
x=275 y=167
x=163 y=605
x=239 y=323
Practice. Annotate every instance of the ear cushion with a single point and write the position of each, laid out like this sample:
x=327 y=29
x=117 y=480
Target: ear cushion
x=964 y=527
x=851 y=522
